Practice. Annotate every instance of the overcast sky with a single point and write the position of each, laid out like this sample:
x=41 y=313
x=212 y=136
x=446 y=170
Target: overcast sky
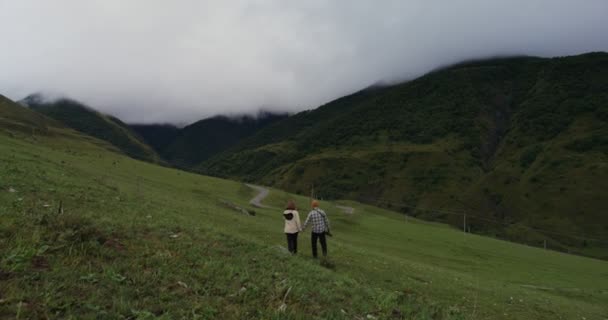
x=182 y=60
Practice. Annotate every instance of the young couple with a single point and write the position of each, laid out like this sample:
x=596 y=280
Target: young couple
x=316 y=218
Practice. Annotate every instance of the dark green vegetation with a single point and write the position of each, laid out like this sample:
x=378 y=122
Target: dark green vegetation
x=84 y=119
x=516 y=143
x=195 y=143
x=180 y=147
x=158 y=136
x=90 y=234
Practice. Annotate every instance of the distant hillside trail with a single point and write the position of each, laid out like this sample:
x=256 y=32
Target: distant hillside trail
x=347 y=210
x=262 y=194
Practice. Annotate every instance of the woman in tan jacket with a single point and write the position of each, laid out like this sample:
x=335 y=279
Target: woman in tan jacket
x=292 y=226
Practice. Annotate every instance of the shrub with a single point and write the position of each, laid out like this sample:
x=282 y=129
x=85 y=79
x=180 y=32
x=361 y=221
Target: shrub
x=529 y=155
x=595 y=142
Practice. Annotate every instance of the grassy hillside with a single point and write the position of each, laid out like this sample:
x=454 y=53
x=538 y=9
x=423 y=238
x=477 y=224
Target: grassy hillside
x=518 y=144
x=84 y=119
x=14 y=117
x=19 y=121
x=87 y=234
x=197 y=142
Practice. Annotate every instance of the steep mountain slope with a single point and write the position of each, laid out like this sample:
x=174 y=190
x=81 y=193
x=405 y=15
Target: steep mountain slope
x=19 y=121
x=84 y=119
x=518 y=144
x=110 y=237
x=14 y=117
x=158 y=136
x=197 y=142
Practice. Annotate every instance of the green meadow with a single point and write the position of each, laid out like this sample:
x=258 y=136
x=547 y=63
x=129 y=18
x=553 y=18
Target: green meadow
x=88 y=233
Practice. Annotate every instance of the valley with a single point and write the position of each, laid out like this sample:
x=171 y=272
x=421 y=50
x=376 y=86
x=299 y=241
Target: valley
x=88 y=232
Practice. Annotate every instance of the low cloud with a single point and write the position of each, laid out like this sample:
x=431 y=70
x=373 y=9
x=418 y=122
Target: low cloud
x=179 y=61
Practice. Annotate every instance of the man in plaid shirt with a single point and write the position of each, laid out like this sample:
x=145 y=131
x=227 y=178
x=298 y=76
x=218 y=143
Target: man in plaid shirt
x=320 y=226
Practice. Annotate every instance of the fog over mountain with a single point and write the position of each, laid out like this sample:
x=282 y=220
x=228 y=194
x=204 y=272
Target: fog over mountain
x=179 y=61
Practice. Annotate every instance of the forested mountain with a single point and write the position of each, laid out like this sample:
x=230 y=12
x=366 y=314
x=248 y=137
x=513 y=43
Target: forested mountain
x=86 y=120
x=520 y=144
x=197 y=142
x=158 y=136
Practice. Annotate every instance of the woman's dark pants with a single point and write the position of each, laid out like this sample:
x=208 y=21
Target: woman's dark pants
x=292 y=242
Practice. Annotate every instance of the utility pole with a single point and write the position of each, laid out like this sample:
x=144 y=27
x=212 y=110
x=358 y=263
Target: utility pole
x=464 y=224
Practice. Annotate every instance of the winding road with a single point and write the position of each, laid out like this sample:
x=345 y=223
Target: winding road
x=263 y=193
x=257 y=200
x=347 y=210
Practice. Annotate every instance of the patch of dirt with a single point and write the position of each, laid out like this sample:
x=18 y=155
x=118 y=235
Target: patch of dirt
x=397 y=314
x=234 y=207
x=114 y=244
x=5 y=275
x=418 y=279
x=326 y=263
x=180 y=288
x=40 y=263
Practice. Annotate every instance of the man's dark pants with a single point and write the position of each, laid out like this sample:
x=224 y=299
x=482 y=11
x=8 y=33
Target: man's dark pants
x=320 y=236
x=292 y=242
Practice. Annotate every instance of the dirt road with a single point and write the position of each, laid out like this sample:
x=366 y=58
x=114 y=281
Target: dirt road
x=263 y=193
x=347 y=210
x=257 y=200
